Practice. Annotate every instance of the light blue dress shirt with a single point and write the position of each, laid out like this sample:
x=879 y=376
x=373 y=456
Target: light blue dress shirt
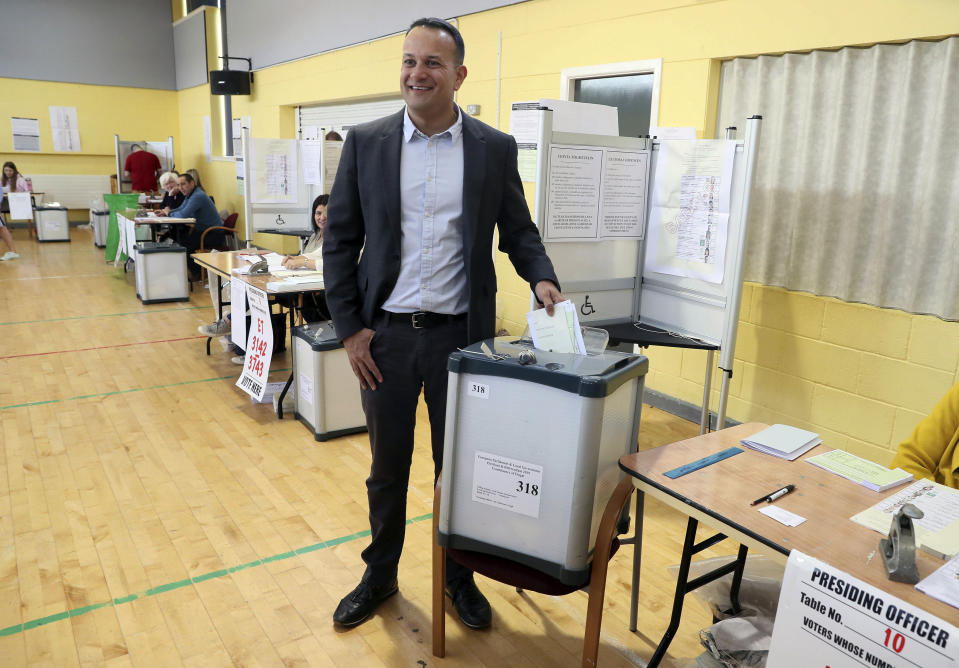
x=432 y=270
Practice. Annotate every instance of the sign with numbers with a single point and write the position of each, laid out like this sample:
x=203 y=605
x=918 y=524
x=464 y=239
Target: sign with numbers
x=259 y=345
x=507 y=483
x=827 y=618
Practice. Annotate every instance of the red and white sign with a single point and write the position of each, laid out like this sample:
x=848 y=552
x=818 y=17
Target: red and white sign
x=259 y=345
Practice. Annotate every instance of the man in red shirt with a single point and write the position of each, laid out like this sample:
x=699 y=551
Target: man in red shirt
x=142 y=167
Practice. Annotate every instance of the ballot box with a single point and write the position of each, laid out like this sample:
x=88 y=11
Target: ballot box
x=161 y=273
x=100 y=222
x=531 y=451
x=52 y=223
x=327 y=393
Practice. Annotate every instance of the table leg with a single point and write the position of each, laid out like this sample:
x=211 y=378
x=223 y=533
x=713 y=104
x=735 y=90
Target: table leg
x=738 y=579
x=637 y=559
x=289 y=381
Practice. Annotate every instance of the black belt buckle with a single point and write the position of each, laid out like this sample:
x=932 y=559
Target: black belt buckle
x=418 y=319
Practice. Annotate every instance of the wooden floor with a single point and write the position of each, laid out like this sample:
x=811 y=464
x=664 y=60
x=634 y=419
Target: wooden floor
x=150 y=514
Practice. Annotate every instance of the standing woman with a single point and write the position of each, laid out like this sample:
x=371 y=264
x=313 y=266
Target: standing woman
x=11 y=181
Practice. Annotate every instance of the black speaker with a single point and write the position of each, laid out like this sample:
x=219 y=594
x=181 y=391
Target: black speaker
x=230 y=82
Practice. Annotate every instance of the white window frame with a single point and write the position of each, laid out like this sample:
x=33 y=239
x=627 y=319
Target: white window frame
x=654 y=66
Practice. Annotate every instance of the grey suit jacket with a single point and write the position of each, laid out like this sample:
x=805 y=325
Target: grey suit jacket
x=364 y=215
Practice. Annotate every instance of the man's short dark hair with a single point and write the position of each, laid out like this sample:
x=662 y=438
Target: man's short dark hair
x=447 y=27
x=187 y=177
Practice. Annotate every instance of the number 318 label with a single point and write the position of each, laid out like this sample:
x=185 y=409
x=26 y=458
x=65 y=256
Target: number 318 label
x=508 y=484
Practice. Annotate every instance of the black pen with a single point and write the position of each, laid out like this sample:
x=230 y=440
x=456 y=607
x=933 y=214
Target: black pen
x=772 y=496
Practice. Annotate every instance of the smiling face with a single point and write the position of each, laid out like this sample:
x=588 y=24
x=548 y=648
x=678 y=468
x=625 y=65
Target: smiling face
x=171 y=186
x=319 y=217
x=429 y=75
x=8 y=172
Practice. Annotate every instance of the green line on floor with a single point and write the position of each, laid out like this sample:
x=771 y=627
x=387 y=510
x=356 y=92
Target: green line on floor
x=135 y=389
x=161 y=589
x=107 y=315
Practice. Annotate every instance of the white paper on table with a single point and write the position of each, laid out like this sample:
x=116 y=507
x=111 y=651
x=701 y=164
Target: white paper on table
x=238 y=313
x=20 y=206
x=943 y=583
x=273 y=260
x=782 y=516
x=583 y=117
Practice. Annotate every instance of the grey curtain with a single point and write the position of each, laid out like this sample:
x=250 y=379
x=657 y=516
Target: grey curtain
x=856 y=191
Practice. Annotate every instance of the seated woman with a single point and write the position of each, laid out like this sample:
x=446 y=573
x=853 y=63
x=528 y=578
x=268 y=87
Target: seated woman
x=313 y=304
x=172 y=197
x=931 y=451
x=11 y=181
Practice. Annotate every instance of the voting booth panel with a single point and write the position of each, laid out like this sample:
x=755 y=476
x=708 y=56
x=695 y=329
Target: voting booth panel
x=531 y=452
x=160 y=272
x=122 y=148
x=327 y=394
x=52 y=223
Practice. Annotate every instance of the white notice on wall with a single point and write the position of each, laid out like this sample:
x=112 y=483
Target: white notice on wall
x=274 y=171
x=829 y=618
x=625 y=178
x=508 y=484
x=26 y=133
x=312 y=153
x=259 y=346
x=66 y=128
x=524 y=123
x=332 y=149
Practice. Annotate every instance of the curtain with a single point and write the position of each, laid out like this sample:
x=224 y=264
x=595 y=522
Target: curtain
x=856 y=191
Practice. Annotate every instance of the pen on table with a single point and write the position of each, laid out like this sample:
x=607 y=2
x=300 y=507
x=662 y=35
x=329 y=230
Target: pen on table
x=772 y=496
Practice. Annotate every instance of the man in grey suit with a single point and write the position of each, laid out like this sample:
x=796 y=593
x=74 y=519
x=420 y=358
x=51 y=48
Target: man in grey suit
x=408 y=267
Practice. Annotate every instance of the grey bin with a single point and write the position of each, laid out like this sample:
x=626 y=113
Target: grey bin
x=327 y=393
x=161 y=273
x=531 y=452
x=99 y=221
x=52 y=223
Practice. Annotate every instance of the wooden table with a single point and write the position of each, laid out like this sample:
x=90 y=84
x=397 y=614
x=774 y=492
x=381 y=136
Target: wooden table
x=221 y=265
x=719 y=496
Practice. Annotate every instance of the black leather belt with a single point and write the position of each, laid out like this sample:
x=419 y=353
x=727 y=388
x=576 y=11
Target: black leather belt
x=425 y=319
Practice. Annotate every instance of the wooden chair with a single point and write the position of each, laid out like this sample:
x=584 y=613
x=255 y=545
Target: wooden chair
x=229 y=230
x=523 y=577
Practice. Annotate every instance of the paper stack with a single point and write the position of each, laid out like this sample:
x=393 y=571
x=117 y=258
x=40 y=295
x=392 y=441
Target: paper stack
x=559 y=333
x=869 y=474
x=783 y=441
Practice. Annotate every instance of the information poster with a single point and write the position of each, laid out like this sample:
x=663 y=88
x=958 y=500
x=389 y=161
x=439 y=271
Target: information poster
x=26 y=133
x=331 y=160
x=524 y=119
x=689 y=218
x=312 y=153
x=827 y=618
x=508 y=484
x=596 y=193
x=259 y=345
x=274 y=171
x=66 y=128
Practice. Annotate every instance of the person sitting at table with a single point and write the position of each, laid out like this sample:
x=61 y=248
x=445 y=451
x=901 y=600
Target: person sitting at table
x=196 y=204
x=170 y=184
x=199 y=183
x=11 y=181
x=312 y=304
x=931 y=451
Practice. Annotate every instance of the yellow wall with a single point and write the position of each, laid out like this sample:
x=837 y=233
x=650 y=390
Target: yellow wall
x=860 y=375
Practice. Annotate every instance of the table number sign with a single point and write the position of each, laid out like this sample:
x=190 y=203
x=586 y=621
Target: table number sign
x=827 y=618
x=259 y=345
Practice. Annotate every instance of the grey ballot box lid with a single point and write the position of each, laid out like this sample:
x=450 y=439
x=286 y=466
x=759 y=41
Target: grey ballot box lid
x=318 y=335
x=147 y=247
x=44 y=207
x=585 y=375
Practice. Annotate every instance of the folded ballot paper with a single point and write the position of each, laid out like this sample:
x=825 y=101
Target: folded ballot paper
x=559 y=333
x=783 y=441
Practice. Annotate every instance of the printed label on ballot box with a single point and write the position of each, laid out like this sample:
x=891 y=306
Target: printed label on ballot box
x=828 y=618
x=259 y=345
x=508 y=484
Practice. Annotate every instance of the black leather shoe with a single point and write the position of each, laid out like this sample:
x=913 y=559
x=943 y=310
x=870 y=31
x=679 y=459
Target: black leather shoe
x=361 y=602
x=470 y=604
